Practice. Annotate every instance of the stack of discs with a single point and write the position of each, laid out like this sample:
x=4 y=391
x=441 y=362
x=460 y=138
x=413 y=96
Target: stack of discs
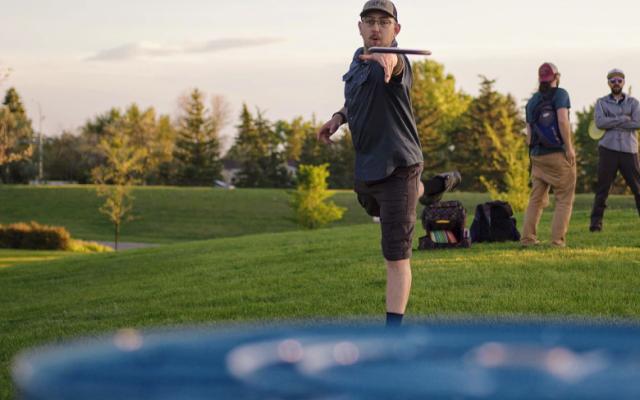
x=443 y=237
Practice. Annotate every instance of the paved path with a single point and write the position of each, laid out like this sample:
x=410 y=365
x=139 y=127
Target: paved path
x=128 y=245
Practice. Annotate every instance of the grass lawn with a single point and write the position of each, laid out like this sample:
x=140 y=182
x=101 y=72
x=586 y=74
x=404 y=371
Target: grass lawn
x=170 y=214
x=163 y=214
x=333 y=273
x=10 y=257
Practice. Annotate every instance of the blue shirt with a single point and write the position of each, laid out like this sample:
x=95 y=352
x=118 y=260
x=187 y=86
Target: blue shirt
x=381 y=120
x=560 y=100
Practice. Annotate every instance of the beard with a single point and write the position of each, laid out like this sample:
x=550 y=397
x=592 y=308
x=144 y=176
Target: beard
x=616 y=90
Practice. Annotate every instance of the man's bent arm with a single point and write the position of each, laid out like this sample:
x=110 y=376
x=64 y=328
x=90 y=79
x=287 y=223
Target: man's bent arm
x=343 y=113
x=634 y=121
x=604 y=122
x=330 y=127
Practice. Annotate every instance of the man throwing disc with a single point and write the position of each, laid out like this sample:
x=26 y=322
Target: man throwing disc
x=388 y=162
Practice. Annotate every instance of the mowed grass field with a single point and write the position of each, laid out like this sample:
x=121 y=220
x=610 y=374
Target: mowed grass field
x=163 y=214
x=334 y=273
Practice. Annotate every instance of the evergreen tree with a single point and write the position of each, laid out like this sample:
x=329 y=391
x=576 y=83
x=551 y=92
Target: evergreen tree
x=437 y=107
x=197 y=147
x=260 y=149
x=92 y=133
x=511 y=156
x=340 y=156
x=16 y=138
x=476 y=152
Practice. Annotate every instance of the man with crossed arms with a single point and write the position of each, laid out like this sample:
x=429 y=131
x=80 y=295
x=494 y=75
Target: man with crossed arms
x=618 y=114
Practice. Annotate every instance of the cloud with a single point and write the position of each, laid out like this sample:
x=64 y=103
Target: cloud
x=134 y=51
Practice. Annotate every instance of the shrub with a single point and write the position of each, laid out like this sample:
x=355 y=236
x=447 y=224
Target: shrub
x=309 y=199
x=80 y=246
x=34 y=236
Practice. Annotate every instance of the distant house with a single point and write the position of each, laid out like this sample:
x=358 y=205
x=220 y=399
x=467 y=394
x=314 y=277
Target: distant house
x=230 y=170
x=292 y=168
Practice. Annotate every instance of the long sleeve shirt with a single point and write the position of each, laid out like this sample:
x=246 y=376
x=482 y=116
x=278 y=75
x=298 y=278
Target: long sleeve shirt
x=620 y=119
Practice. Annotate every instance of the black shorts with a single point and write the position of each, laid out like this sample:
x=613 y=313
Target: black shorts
x=394 y=200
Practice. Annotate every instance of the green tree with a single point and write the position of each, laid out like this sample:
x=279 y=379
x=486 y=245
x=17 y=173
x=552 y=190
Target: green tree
x=340 y=156
x=123 y=165
x=162 y=152
x=197 y=146
x=293 y=134
x=437 y=107
x=92 y=133
x=512 y=157
x=16 y=137
x=154 y=135
x=309 y=200
x=64 y=159
x=476 y=152
x=586 y=152
x=260 y=149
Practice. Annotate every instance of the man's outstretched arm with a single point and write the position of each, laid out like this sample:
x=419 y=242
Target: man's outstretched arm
x=391 y=63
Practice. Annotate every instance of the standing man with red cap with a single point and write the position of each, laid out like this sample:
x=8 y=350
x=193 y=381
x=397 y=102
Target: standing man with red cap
x=553 y=158
x=619 y=115
x=388 y=161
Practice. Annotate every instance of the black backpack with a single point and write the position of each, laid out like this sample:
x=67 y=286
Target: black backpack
x=444 y=223
x=494 y=222
x=545 y=130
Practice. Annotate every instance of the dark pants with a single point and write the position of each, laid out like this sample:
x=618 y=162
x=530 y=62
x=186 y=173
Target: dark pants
x=394 y=200
x=609 y=163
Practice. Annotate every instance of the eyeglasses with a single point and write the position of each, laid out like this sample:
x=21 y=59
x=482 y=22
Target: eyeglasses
x=616 y=81
x=383 y=22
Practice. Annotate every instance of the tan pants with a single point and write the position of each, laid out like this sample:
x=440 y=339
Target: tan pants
x=550 y=171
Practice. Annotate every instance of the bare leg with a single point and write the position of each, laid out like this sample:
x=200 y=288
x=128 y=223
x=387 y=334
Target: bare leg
x=398 y=285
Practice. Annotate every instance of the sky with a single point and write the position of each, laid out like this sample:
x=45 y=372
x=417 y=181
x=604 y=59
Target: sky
x=72 y=60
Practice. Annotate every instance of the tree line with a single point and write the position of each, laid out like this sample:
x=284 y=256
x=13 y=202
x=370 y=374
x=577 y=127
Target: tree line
x=481 y=136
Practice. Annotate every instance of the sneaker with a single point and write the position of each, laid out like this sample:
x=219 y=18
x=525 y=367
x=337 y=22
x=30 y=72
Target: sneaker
x=595 y=228
x=530 y=244
x=436 y=186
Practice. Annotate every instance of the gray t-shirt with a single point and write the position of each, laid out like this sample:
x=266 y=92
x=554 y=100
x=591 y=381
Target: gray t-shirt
x=381 y=120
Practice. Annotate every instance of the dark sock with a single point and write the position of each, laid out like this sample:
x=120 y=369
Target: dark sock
x=394 y=319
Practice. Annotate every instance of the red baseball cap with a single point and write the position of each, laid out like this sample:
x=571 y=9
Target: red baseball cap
x=547 y=72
